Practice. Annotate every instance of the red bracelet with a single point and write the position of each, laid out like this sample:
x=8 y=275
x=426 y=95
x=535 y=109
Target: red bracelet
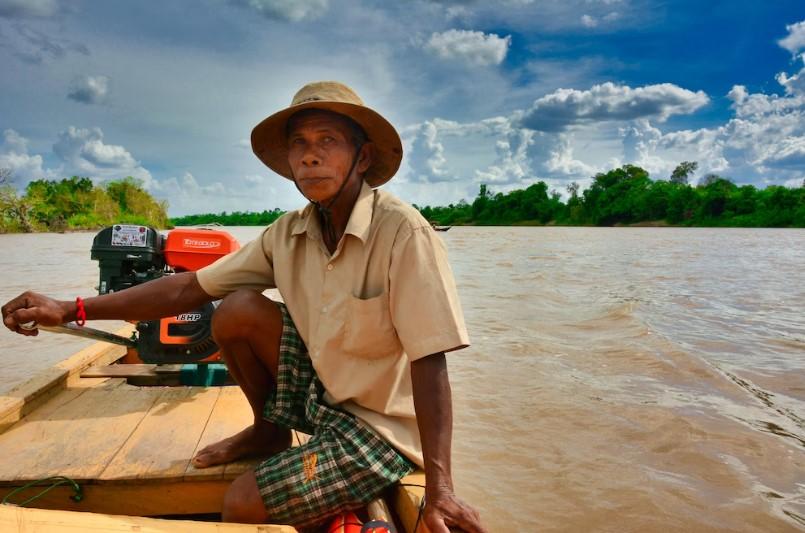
x=80 y=312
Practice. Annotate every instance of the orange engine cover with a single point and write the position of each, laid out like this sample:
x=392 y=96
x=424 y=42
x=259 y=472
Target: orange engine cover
x=189 y=249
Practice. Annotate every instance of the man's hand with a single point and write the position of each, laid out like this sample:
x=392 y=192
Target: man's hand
x=444 y=509
x=166 y=296
x=33 y=307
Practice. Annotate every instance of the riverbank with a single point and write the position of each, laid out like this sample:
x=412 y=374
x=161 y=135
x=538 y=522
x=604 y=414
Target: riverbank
x=77 y=204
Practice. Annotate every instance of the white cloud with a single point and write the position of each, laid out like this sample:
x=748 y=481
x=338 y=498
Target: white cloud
x=473 y=47
x=588 y=21
x=562 y=162
x=290 y=10
x=426 y=157
x=186 y=195
x=84 y=152
x=90 y=89
x=612 y=17
x=738 y=95
x=15 y=157
x=788 y=152
x=609 y=102
x=591 y=21
x=794 y=42
x=512 y=163
x=764 y=142
x=28 y=8
x=794 y=83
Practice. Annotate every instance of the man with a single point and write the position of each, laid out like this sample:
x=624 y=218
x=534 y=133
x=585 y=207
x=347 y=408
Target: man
x=355 y=354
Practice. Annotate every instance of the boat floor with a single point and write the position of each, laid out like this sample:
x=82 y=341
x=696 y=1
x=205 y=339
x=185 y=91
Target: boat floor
x=129 y=447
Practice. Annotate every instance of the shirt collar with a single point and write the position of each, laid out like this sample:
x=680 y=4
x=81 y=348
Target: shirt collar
x=359 y=220
x=307 y=222
x=361 y=217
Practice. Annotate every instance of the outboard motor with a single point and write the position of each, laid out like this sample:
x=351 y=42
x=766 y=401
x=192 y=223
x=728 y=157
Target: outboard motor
x=129 y=255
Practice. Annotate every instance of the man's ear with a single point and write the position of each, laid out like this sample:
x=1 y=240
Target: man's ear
x=365 y=157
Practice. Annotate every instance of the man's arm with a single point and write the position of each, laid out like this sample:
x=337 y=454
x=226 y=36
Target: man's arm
x=434 y=413
x=162 y=297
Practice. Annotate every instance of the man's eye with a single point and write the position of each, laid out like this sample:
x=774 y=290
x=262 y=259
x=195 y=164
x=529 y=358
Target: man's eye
x=328 y=139
x=298 y=140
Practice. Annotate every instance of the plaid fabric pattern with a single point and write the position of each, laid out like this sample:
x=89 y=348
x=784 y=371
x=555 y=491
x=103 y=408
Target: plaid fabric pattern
x=343 y=466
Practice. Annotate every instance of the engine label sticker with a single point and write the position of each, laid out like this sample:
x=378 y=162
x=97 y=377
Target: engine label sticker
x=128 y=235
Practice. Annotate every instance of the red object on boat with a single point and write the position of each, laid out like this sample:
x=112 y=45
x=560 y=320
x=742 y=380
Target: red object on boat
x=345 y=523
x=189 y=249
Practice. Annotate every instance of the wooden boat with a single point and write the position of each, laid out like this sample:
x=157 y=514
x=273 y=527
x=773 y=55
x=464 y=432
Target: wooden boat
x=437 y=227
x=127 y=440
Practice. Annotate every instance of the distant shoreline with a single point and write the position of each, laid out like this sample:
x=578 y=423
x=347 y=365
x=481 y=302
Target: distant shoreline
x=622 y=197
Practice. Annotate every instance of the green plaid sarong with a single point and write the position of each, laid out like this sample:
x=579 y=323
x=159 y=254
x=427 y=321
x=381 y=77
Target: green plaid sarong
x=343 y=466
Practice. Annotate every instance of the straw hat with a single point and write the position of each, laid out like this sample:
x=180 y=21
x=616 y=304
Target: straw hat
x=269 y=137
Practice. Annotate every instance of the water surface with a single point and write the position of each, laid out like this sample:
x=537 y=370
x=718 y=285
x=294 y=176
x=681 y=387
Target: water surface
x=620 y=379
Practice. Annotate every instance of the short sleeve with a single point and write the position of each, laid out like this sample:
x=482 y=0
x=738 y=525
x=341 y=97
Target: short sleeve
x=250 y=267
x=425 y=308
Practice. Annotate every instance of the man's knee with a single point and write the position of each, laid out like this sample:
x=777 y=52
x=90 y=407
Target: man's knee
x=243 y=313
x=243 y=502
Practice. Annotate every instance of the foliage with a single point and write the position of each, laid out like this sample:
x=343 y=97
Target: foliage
x=77 y=203
x=237 y=218
x=627 y=195
x=682 y=171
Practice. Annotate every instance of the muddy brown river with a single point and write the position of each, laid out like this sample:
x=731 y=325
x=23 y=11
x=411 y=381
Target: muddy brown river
x=620 y=379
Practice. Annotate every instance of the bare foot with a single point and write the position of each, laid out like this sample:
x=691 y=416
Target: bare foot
x=247 y=443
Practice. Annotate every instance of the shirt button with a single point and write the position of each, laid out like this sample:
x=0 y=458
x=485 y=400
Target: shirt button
x=330 y=267
x=324 y=309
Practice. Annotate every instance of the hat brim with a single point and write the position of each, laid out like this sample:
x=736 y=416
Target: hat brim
x=270 y=145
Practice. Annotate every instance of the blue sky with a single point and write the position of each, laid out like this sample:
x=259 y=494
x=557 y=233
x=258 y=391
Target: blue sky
x=505 y=93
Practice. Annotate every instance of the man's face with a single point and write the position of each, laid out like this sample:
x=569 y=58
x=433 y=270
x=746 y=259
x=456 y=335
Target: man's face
x=321 y=152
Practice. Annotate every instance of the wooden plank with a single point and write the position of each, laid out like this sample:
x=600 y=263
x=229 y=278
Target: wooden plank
x=27 y=396
x=236 y=468
x=144 y=499
x=168 y=368
x=230 y=415
x=119 y=371
x=163 y=443
x=377 y=509
x=21 y=520
x=78 y=438
x=100 y=353
x=407 y=501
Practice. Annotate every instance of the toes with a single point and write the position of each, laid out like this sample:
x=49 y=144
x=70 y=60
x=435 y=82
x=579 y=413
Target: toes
x=203 y=458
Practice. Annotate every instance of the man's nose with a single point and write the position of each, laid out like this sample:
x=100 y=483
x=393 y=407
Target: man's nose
x=310 y=158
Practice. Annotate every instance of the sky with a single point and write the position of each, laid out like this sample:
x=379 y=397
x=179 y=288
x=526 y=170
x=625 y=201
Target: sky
x=504 y=93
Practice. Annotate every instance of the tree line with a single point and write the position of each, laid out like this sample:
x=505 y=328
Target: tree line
x=77 y=203
x=621 y=196
x=627 y=195
x=236 y=218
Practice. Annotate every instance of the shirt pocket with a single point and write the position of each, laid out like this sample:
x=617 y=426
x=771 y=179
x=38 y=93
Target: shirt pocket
x=368 y=332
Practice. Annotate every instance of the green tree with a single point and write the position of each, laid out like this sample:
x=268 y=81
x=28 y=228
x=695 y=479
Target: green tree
x=715 y=195
x=613 y=196
x=136 y=205
x=14 y=211
x=682 y=171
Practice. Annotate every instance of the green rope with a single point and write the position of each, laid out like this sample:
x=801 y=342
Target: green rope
x=55 y=481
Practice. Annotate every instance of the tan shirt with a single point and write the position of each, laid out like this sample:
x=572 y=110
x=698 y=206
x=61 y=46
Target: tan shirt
x=386 y=297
